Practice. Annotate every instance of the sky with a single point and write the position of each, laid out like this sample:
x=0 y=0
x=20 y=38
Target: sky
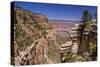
x=56 y=11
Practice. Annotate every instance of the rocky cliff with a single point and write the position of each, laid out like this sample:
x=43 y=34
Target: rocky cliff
x=35 y=40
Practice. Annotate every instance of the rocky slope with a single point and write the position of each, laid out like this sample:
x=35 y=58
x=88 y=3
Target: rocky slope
x=35 y=40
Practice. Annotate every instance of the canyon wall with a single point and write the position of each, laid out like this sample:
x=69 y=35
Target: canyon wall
x=34 y=39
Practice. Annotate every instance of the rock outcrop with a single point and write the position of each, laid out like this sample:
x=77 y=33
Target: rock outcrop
x=35 y=40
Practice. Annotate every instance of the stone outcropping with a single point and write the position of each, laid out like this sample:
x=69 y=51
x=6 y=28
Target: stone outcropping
x=32 y=36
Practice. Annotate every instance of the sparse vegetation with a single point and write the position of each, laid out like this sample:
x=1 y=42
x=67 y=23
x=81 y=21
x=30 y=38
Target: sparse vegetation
x=33 y=31
x=90 y=52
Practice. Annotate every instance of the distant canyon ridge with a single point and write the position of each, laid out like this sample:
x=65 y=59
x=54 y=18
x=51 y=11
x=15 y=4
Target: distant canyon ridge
x=62 y=27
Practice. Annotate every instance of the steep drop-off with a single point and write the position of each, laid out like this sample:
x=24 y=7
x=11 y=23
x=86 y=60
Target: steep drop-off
x=35 y=40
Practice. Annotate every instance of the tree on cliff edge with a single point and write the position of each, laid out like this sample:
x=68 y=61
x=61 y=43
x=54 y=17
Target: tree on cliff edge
x=86 y=21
